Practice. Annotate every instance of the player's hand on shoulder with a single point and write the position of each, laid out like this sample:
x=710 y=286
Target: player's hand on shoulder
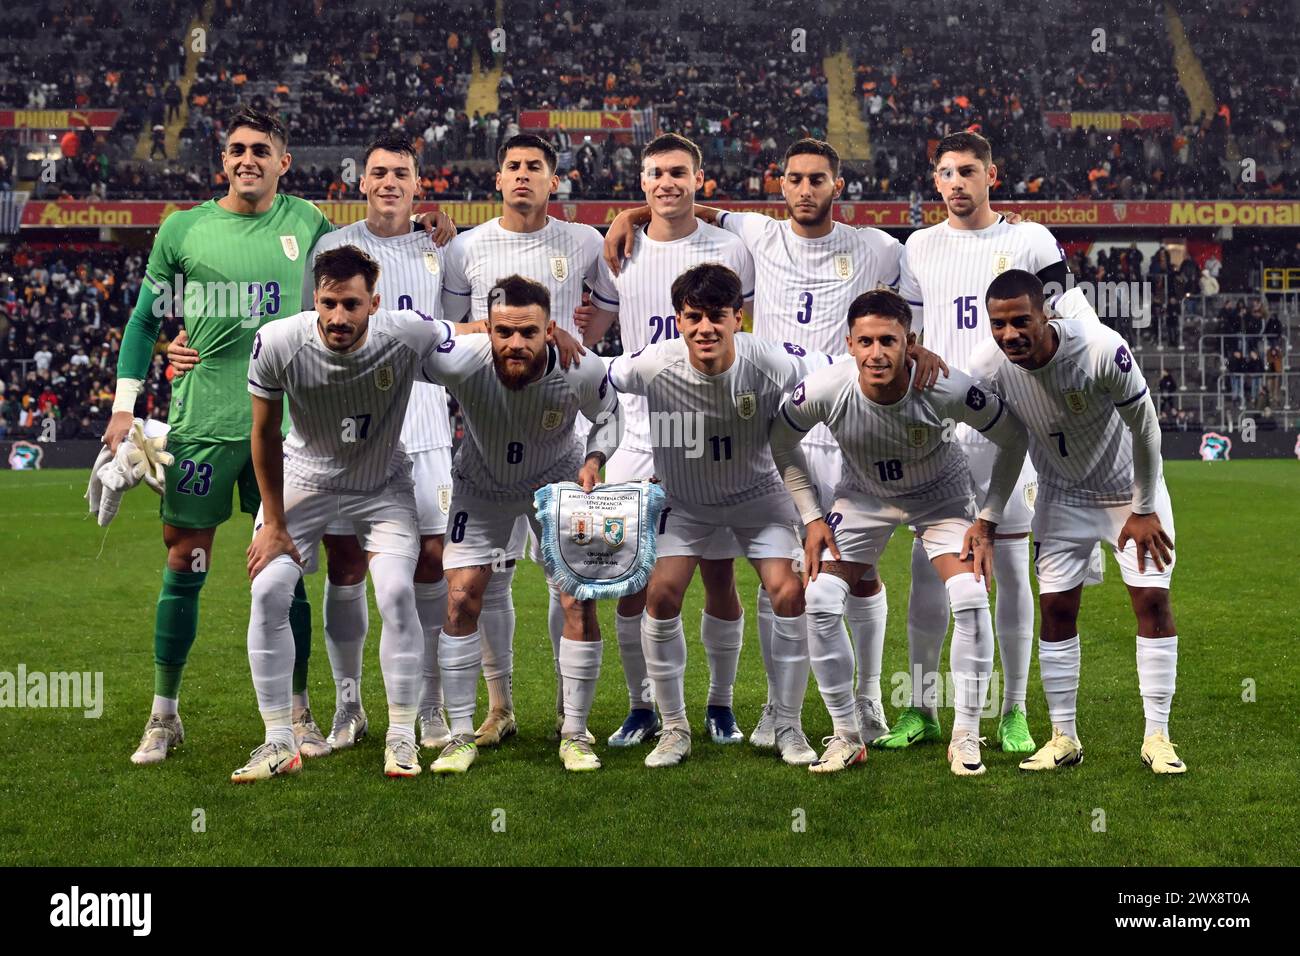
x=1013 y=218
x=583 y=314
x=570 y=349
x=269 y=542
x=179 y=355
x=1151 y=539
x=618 y=240
x=438 y=226
x=928 y=367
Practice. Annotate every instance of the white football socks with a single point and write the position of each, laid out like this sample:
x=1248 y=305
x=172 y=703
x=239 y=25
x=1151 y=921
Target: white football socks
x=270 y=647
x=722 y=640
x=830 y=651
x=401 y=643
x=1058 y=665
x=866 y=617
x=164 y=706
x=1157 y=664
x=346 y=621
x=664 y=646
x=971 y=656
x=496 y=622
x=579 y=670
x=765 y=625
x=640 y=689
x=927 y=625
x=1014 y=619
x=459 y=660
x=431 y=602
x=790 y=665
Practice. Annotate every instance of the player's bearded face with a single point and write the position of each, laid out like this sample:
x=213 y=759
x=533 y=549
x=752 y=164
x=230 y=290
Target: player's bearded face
x=809 y=189
x=519 y=337
x=878 y=345
x=670 y=182
x=253 y=163
x=344 y=313
x=1019 y=329
x=963 y=182
x=710 y=333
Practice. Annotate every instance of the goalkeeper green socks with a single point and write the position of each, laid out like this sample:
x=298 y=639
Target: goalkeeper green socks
x=300 y=621
x=175 y=627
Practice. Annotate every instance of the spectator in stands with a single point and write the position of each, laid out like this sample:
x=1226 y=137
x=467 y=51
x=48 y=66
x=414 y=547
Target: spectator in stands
x=1273 y=332
x=1167 y=384
x=1255 y=378
x=1236 y=366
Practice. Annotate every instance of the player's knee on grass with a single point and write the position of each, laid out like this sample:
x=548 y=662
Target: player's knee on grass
x=428 y=568
x=720 y=597
x=345 y=561
x=1155 y=614
x=1059 y=614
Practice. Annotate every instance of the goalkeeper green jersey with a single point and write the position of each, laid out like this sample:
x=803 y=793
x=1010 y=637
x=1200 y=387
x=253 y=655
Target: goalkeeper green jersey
x=230 y=273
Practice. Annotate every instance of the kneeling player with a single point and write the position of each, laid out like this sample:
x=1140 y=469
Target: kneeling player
x=1095 y=441
x=901 y=467
x=520 y=405
x=720 y=389
x=347 y=370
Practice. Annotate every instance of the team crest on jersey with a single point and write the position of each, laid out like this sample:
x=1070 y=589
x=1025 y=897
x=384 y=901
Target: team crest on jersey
x=582 y=527
x=431 y=261
x=918 y=435
x=384 y=378
x=551 y=419
x=1031 y=494
x=746 y=405
x=844 y=265
x=444 y=499
x=1001 y=262
x=290 y=246
x=614 y=530
x=1076 y=401
x=571 y=211
x=560 y=268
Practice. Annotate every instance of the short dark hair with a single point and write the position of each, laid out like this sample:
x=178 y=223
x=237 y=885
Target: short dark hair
x=668 y=142
x=967 y=141
x=1014 y=283
x=267 y=123
x=529 y=141
x=885 y=302
x=518 y=291
x=393 y=143
x=710 y=286
x=342 y=263
x=813 y=147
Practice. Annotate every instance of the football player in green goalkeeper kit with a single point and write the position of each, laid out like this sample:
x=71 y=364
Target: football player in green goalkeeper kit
x=229 y=265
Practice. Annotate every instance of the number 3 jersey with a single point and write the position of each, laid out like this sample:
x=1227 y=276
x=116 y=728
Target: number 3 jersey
x=905 y=449
x=517 y=440
x=410 y=277
x=642 y=296
x=347 y=409
x=709 y=432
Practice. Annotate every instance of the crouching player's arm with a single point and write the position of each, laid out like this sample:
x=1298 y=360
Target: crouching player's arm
x=993 y=419
x=603 y=409
x=784 y=437
x=1143 y=525
x=272 y=539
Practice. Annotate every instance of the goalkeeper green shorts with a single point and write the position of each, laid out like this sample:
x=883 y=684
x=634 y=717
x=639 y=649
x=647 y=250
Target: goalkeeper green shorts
x=202 y=480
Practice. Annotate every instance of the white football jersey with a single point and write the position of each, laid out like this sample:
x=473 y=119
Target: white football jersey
x=641 y=294
x=709 y=432
x=946 y=271
x=1081 y=448
x=347 y=410
x=560 y=255
x=517 y=441
x=903 y=450
x=410 y=277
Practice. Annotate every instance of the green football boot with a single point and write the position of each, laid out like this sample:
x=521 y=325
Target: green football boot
x=912 y=726
x=1013 y=732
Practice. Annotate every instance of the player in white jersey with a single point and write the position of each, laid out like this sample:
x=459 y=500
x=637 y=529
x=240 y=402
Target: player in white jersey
x=410 y=277
x=639 y=298
x=710 y=397
x=520 y=405
x=1095 y=440
x=808 y=268
x=900 y=468
x=561 y=256
x=347 y=371
x=945 y=270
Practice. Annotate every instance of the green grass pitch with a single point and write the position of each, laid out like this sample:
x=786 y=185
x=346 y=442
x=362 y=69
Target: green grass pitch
x=75 y=598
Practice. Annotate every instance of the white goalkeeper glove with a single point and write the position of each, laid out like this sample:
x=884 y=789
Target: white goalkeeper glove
x=140 y=457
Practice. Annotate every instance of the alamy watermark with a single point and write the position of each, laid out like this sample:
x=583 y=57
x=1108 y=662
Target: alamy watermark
x=83 y=690
x=1110 y=300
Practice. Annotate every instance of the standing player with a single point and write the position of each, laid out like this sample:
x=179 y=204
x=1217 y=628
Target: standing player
x=946 y=269
x=808 y=268
x=560 y=255
x=900 y=468
x=410 y=277
x=347 y=371
x=520 y=406
x=730 y=387
x=1095 y=441
x=640 y=299
x=239 y=261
